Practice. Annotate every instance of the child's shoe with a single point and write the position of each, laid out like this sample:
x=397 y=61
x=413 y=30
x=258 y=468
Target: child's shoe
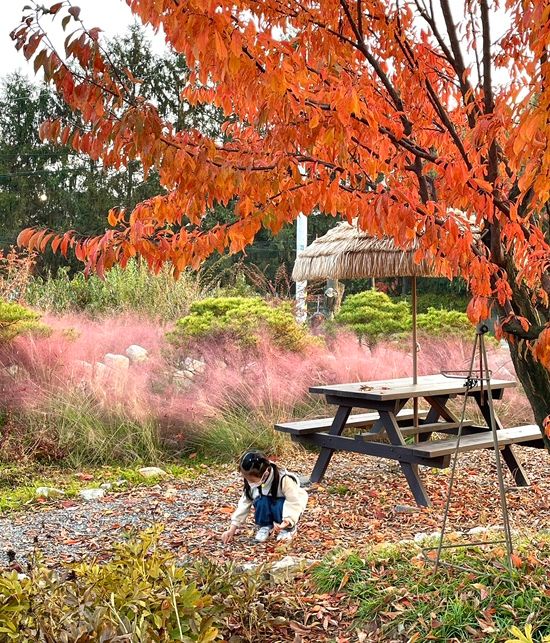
x=286 y=535
x=263 y=534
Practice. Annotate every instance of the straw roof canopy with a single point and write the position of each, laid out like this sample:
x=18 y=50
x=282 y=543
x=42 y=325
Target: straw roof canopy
x=345 y=252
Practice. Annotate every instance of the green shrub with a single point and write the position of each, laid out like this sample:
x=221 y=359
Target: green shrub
x=373 y=315
x=133 y=289
x=16 y=319
x=445 y=300
x=243 y=320
x=440 y=322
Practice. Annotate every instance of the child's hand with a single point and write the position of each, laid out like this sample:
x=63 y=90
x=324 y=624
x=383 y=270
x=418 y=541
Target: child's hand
x=227 y=536
x=285 y=524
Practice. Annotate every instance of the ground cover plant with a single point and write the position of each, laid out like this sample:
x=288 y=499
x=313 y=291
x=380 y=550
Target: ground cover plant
x=387 y=592
x=474 y=596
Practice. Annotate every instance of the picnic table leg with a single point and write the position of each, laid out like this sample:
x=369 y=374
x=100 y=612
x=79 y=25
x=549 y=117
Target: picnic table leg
x=410 y=471
x=437 y=409
x=508 y=455
x=325 y=456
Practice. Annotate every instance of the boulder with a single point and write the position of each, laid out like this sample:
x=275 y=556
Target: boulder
x=116 y=362
x=136 y=353
x=99 y=370
x=194 y=365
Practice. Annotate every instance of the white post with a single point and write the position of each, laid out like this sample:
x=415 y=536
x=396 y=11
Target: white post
x=301 y=286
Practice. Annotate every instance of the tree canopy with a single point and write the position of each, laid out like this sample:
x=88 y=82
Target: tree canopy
x=418 y=119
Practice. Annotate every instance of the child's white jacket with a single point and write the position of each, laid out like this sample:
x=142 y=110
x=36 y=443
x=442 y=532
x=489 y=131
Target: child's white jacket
x=289 y=489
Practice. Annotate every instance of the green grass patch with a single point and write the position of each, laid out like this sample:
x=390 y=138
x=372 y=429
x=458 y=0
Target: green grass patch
x=18 y=483
x=473 y=597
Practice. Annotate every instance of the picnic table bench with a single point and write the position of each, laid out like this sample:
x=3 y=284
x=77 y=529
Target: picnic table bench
x=389 y=424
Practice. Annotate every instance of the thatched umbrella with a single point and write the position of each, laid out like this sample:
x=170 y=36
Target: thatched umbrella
x=346 y=252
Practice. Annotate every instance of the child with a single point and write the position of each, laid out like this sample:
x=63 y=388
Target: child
x=276 y=495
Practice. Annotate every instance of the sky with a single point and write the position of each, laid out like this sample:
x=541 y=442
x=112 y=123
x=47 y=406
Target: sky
x=113 y=16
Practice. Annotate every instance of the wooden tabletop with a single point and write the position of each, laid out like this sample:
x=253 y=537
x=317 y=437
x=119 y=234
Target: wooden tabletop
x=403 y=388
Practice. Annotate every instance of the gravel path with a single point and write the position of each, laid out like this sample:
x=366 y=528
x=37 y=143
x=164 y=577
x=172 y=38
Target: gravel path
x=361 y=501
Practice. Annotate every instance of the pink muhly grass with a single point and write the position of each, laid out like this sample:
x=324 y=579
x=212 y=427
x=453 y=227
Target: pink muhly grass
x=267 y=382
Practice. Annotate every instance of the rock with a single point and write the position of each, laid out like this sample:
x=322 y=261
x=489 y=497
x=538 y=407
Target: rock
x=107 y=486
x=48 y=492
x=194 y=365
x=12 y=370
x=152 y=472
x=422 y=536
x=181 y=380
x=477 y=530
x=288 y=568
x=116 y=362
x=121 y=483
x=406 y=509
x=136 y=353
x=99 y=369
x=92 y=494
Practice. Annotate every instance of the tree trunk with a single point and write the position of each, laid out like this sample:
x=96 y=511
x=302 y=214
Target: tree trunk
x=533 y=376
x=535 y=380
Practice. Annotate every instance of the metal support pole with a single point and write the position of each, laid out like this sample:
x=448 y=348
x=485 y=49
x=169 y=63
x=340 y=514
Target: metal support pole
x=471 y=380
x=301 y=286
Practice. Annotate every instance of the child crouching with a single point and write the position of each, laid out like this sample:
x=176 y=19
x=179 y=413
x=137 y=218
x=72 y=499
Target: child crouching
x=275 y=494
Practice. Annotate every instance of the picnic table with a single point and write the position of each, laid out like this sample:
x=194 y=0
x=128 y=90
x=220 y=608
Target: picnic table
x=389 y=425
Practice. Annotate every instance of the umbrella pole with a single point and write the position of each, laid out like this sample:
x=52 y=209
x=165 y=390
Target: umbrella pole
x=415 y=351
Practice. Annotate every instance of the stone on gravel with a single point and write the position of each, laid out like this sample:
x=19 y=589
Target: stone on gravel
x=477 y=530
x=48 y=492
x=136 y=353
x=422 y=536
x=288 y=568
x=107 y=486
x=92 y=494
x=152 y=472
x=406 y=509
